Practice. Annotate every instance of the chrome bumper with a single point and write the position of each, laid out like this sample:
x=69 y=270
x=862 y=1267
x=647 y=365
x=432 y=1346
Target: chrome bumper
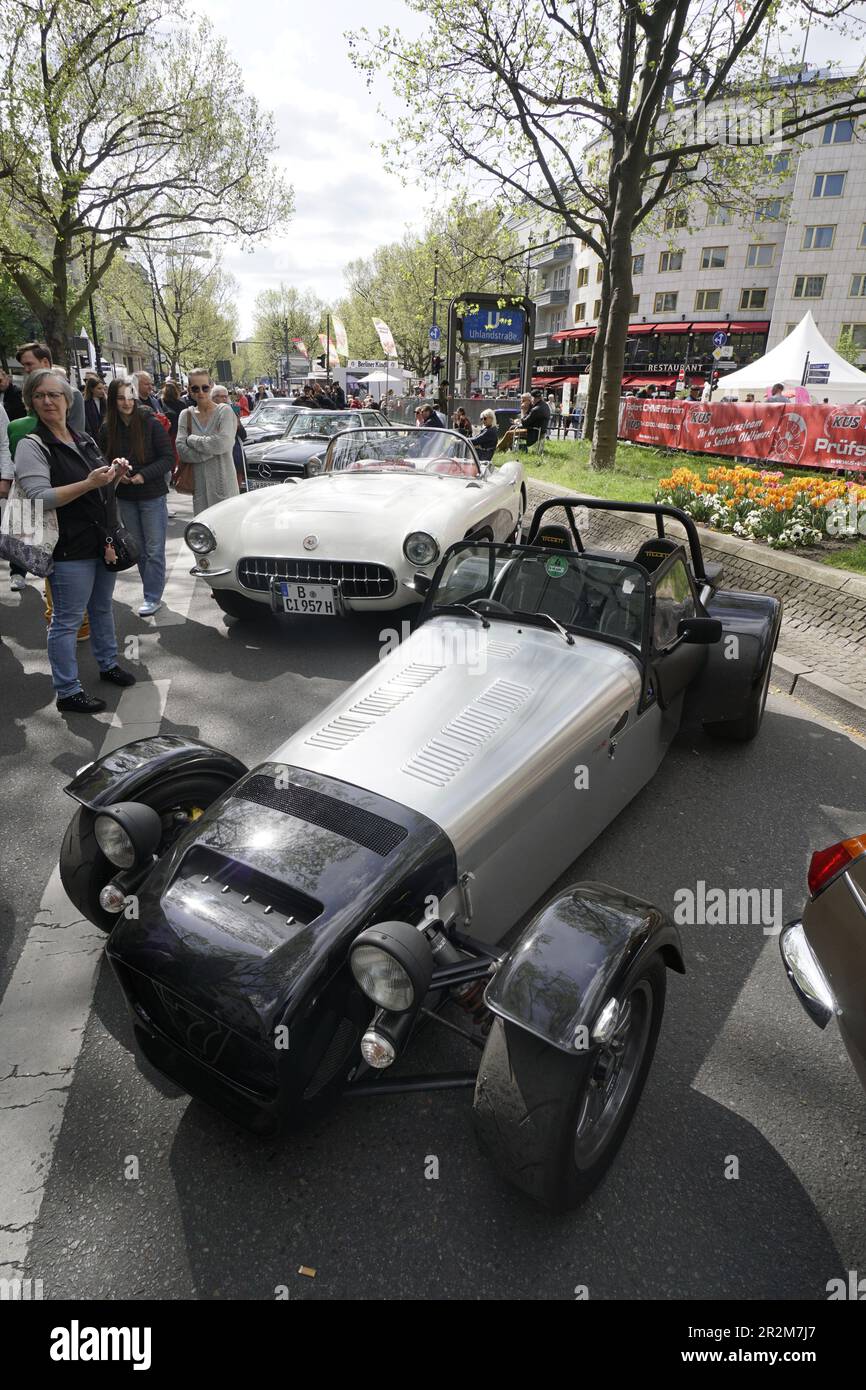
x=208 y=574
x=808 y=980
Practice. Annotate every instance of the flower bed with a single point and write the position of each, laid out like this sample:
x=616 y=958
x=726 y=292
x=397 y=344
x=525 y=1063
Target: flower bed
x=764 y=506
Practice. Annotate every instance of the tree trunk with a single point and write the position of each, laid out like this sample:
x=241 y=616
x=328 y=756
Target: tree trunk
x=593 y=385
x=607 y=417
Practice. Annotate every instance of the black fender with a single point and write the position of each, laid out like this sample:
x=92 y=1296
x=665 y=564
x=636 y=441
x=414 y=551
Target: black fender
x=125 y=773
x=733 y=670
x=573 y=956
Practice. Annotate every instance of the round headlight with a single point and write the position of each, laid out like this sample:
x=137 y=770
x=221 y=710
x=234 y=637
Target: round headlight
x=382 y=979
x=199 y=538
x=114 y=842
x=420 y=549
x=315 y=466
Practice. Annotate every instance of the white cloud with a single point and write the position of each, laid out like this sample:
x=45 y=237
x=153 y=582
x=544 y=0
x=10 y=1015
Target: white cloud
x=295 y=61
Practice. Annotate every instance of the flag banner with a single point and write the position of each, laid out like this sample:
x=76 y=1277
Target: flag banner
x=806 y=436
x=328 y=347
x=389 y=347
x=301 y=346
x=340 y=337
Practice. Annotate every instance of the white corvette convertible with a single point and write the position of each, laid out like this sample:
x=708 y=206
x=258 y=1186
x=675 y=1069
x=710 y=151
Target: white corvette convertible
x=385 y=507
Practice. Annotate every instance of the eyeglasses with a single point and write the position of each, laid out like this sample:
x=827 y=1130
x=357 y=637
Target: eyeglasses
x=196 y=389
x=48 y=396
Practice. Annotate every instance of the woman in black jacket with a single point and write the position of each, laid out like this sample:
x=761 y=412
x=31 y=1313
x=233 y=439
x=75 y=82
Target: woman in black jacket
x=94 y=406
x=172 y=405
x=133 y=431
x=485 y=441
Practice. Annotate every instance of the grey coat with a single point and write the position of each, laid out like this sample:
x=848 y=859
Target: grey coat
x=209 y=448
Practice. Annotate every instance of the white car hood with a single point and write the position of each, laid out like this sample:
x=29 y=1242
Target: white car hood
x=343 y=512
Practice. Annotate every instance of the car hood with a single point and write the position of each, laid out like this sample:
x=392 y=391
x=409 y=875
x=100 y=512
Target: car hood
x=289 y=452
x=350 y=515
x=472 y=719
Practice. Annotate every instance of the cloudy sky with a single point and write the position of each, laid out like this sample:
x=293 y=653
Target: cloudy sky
x=295 y=61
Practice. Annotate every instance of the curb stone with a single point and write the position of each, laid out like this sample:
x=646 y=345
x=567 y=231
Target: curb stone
x=791 y=673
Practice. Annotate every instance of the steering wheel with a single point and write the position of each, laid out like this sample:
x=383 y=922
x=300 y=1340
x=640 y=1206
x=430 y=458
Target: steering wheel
x=490 y=605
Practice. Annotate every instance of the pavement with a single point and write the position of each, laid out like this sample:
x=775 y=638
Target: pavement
x=113 y=1184
x=821 y=655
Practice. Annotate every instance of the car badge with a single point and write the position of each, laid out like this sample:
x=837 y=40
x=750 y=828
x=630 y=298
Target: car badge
x=264 y=470
x=310 y=542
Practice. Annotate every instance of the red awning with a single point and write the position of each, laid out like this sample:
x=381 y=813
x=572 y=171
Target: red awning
x=641 y=328
x=710 y=326
x=547 y=380
x=572 y=333
x=759 y=326
x=666 y=381
x=507 y=385
x=673 y=327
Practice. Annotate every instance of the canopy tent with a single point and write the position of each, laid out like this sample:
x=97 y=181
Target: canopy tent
x=393 y=376
x=786 y=362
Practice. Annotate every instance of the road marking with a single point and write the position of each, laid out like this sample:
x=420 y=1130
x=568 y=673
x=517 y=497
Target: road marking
x=44 y=1012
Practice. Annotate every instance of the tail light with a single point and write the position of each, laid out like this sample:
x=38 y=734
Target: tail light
x=827 y=863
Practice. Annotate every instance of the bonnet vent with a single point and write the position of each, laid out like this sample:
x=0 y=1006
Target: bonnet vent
x=362 y=827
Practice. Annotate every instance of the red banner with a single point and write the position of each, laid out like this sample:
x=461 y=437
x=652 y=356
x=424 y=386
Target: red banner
x=807 y=436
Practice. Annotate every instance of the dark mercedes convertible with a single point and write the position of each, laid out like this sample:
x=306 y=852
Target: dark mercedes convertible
x=280 y=933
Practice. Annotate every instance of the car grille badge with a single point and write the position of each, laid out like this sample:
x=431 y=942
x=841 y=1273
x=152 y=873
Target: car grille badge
x=310 y=542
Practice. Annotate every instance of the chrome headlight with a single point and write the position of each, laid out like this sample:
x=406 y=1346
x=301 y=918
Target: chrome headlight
x=199 y=538
x=420 y=549
x=392 y=964
x=127 y=833
x=315 y=466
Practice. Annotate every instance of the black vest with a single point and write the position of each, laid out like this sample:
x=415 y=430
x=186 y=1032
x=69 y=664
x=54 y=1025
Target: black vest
x=83 y=523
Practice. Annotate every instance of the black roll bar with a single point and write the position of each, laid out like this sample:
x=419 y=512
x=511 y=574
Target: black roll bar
x=657 y=509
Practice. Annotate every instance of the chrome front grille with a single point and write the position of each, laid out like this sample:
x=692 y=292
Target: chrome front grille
x=358 y=580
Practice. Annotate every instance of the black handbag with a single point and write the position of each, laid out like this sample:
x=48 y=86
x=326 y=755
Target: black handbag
x=117 y=541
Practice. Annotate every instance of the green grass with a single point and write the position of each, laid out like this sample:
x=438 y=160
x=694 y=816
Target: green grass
x=853 y=557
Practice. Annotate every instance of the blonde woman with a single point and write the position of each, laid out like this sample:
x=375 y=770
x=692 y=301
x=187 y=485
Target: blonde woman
x=488 y=436
x=206 y=438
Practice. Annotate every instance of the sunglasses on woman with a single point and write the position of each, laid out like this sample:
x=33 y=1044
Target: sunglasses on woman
x=195 y=389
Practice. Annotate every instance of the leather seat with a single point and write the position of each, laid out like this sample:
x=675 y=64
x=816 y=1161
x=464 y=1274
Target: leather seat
x=655 y=551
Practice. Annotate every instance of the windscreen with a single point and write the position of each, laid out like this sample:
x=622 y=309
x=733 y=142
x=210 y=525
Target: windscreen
x=322 y=423
x=272 y=415
x=606 y=597
x=403 y=450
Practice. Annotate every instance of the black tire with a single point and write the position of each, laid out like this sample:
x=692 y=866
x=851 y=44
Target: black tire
x=238 y=606
x=515 y=534
x=530 y=1099
x=744 y=729
x=84 y=869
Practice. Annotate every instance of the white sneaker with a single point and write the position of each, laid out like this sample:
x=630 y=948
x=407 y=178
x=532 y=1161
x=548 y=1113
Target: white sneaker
x=18 y=583
x=147 y=610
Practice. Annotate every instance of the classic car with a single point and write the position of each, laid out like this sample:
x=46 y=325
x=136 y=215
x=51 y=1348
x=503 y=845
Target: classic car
x=387 y=504
x=282 y=933
x=269 y=419
x=824 y=950
x=300 y=450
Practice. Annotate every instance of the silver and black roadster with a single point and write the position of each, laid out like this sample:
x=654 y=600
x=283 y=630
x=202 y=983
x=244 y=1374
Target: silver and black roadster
x=281 y=933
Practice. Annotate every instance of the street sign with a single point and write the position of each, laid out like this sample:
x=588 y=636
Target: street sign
x=728 y=350
x=435 y=333
x=719 y=339
x=488 y=325
x=717 y=353
x=487 y=378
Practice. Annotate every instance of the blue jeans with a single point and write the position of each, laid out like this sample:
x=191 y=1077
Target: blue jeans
x=76 y=585
x=148 y=523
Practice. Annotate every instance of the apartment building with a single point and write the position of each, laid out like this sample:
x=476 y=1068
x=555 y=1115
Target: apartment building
x=750 y=273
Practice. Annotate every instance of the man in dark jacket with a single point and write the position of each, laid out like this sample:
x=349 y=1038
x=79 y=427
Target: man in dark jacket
x=10 y=397
x=338 y=395
x=537 y=422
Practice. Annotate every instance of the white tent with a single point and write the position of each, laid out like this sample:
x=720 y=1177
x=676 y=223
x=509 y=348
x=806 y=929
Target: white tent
x=394 y=376
x=786 y=363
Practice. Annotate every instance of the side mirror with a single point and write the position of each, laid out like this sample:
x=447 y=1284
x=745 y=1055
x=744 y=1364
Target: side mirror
x=702 y=631
x=423 y=584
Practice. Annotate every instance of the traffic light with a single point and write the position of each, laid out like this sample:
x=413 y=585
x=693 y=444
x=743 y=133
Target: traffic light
x=321 y=361
x=435 y=363
x=234 y=347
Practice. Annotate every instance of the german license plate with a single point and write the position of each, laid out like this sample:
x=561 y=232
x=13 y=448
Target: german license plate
x=317 y=599
x=259 y=482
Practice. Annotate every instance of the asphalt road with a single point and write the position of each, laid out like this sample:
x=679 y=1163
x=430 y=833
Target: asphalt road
x=739 y=1073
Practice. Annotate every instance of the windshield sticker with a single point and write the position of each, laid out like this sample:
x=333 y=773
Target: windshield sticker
x=556 y=566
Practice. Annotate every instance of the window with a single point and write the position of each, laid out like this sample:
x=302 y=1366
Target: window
x=708 y=299
x=828 y=186
x=676 y=217
x=858 y=287
x=670 y=260
x=635 y=304
x=789 y=328
x=579 y=312
x=560 y=279
x=665 y=302
x=599 y=273
x=596 y=309
x=714 y=257
x=818 y=238
x=768 y=209
x=857 y=332
x=761 y=253
x=778 y=164
x=557 y=321
x=583 y=277
x=838 y=133
x=637 y=261
x=673 y=602
x=753 y=299
x=718 y=216
x=809 y=286
x=863 y=235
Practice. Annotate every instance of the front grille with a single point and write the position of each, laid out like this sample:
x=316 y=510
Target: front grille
x=354 y=823
x=358 y=580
